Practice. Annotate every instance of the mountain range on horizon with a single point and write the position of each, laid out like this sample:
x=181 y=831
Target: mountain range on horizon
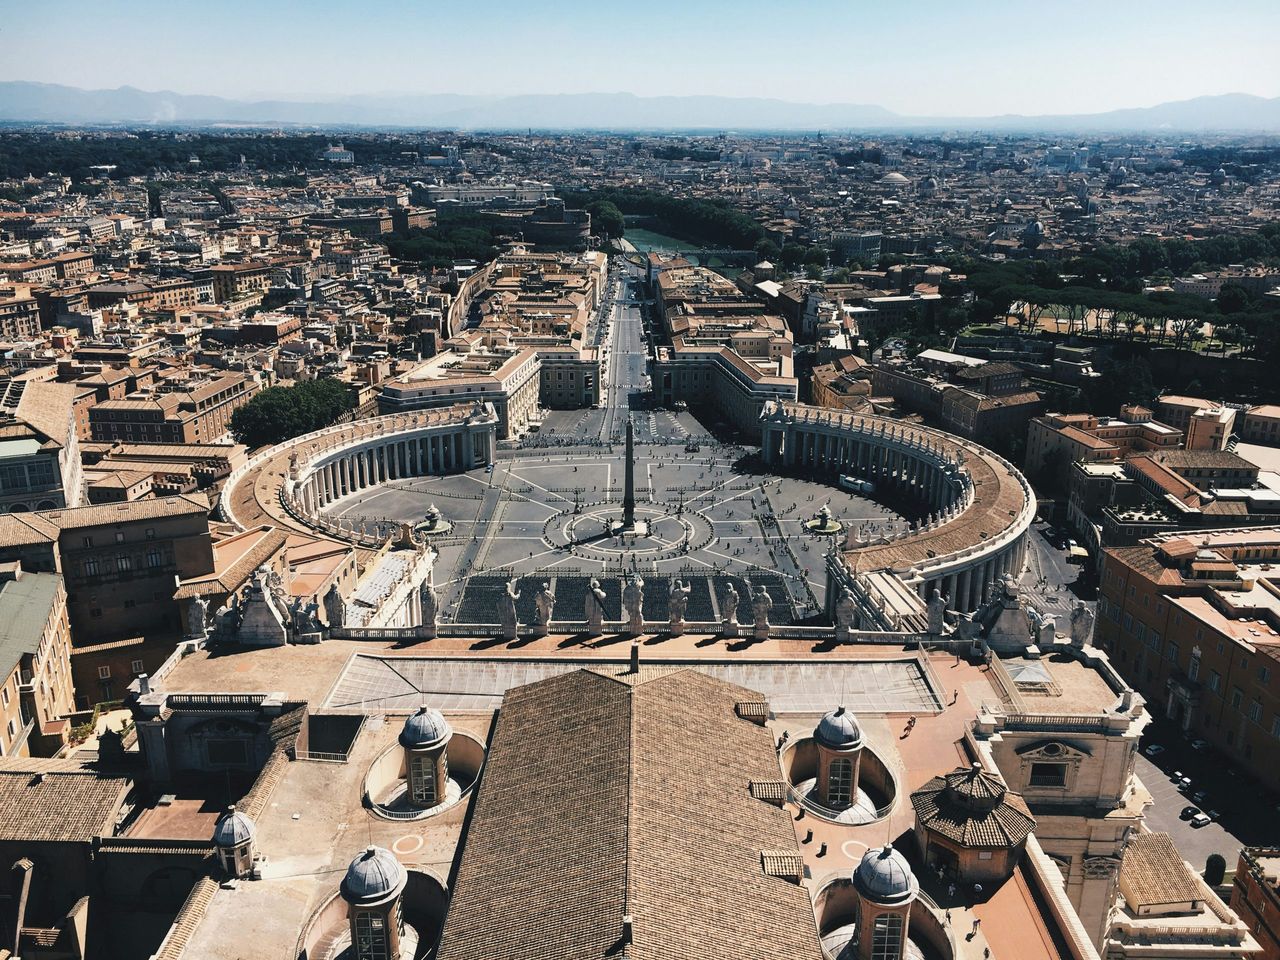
x=28 y=102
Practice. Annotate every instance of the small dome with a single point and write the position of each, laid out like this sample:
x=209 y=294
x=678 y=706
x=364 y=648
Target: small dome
x=373 y=876
x=838 y=730
x=1034 y=229
x=885 y=877
x=425 y=728
x=232 y=829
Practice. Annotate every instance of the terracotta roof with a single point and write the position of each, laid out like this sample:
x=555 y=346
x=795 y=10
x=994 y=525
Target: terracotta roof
x=610 y=795
x=57 y=801
x=1153 y=873
x=973 y=808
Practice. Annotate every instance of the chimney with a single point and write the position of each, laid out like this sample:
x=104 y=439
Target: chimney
x=635 y=656
x=144 y=683
x=627 y=923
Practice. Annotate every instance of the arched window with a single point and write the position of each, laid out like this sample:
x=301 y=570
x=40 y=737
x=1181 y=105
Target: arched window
x=422 y=779
x=371 y=936
x=840 y=782
x=886 y=937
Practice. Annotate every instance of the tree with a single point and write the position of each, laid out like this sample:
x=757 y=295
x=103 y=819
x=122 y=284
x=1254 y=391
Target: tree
x=767 y=250
x=1233 y=298
x=792 y=255
x=606 y=219
x=281 y=413
x=1215 y=869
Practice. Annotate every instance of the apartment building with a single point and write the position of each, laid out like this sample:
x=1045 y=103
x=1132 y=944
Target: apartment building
x=35 y=662
x=508 y=378
x=1193 y=622
x=120 y=562
x=39 y=449
x=1058 y=439
x=193 y=411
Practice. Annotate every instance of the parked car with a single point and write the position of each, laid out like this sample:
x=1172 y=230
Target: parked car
x=1200 y=746
x=1153 y=750
x=1181 y=779
x=1213 y=815
x=1200 y=820
x=1200 y=796
x=1188 y=812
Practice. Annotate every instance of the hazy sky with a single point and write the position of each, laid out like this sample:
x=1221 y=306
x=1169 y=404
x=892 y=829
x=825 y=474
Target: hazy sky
x=938 y=57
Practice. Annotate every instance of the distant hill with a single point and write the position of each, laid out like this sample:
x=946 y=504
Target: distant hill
x=21 y=101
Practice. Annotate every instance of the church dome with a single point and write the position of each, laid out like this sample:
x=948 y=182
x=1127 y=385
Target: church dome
x=232 y=829
x=894 y=179
x=885 y=877
x=373 y=876
x=426 y=728
x=838 y=730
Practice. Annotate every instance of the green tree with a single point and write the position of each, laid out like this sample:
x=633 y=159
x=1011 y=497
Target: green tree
x=606 y=219
x=281 y=413
x=1215 y=869
x=1233 y=298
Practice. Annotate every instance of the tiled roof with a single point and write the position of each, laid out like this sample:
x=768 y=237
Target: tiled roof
x=941 y=809
x=1153 y=872
x=610 y=795
x=57 y=801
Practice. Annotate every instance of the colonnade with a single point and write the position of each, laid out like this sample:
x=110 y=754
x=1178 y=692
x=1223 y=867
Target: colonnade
x=874 y=451
x=369 y=462
x=929 y=467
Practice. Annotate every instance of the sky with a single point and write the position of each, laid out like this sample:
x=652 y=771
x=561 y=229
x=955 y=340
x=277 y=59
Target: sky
x=927 y=57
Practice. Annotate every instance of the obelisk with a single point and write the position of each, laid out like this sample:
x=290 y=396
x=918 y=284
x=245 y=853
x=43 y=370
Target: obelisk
x=629 y=482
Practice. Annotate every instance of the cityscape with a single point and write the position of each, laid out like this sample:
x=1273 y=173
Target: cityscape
x=577 y=487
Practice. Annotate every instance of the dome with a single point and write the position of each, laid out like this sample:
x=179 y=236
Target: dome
x=930 y=185
x=894 y=178
x=838 y=730
x=232 y=829
x=426 y=728
x=885 y=877
x=1034 y=229
x=373 y=876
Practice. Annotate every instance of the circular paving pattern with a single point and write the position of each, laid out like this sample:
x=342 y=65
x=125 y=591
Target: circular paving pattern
x=662 y=533
x=541 y=517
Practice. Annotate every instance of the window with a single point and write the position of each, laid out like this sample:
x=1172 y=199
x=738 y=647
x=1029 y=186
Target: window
x=104 y=672
x=91 y=567
x=1275 y=725
x=840 y=782
x=119 y=538
x=13 y=729
x=1264 y=674
x=4 y=694
x=1171 y=651
x=886 y=937
x=1255 y=711
x=136 y=666
x=422 y=778
x=88 y=541
x=123 y=563
x=1237 y=697
x=227 y=752
x=1215 y=681
x=1048 y=775
x=151 y=533
x=1128 y=623
x=371 y=936
x=153 y=558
